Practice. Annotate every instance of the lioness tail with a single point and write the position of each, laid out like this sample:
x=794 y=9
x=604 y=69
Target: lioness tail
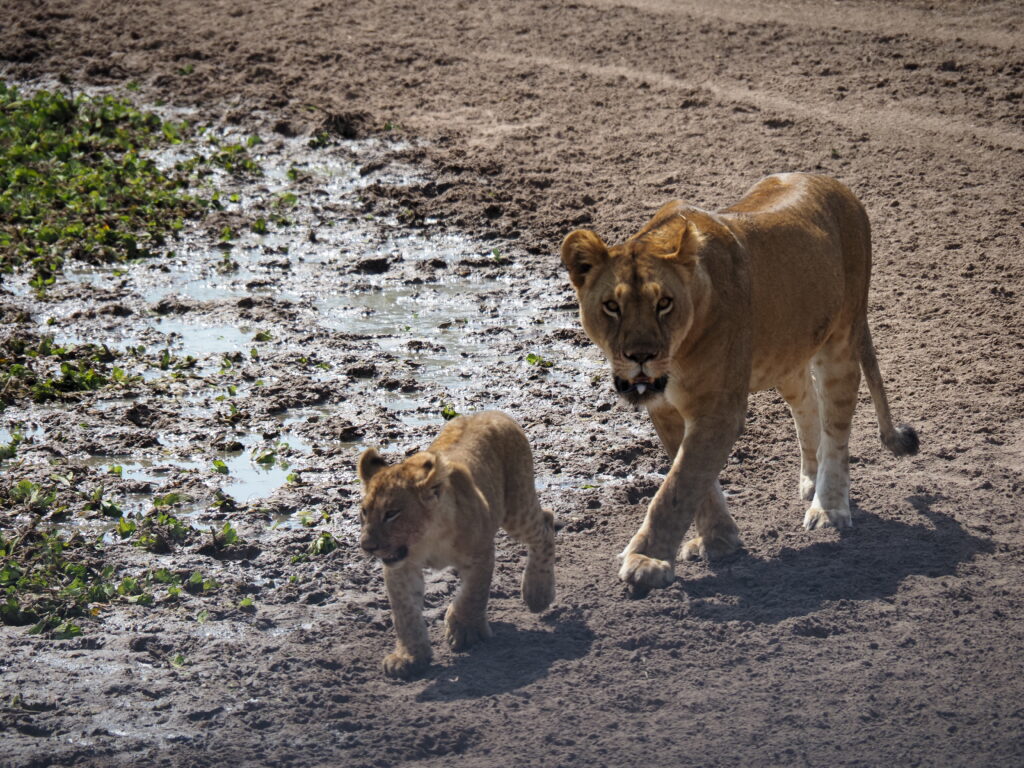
x=902 y=440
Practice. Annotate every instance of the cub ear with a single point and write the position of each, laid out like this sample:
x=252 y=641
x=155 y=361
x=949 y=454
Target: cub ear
x=690 y=241
x=431 y=472
x=370 y=463
x=582 y=250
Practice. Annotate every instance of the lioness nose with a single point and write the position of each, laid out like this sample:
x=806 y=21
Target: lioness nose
x=639 y=356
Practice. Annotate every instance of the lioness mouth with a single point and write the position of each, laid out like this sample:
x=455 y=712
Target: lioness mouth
x=399 y=554
x=641 y=385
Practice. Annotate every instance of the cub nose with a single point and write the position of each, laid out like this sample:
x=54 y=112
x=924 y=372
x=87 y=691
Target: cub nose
x=639 y=356
x=369 y=544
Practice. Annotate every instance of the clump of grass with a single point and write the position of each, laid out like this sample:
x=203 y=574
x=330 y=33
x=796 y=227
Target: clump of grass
x=75 y=182
x=31 y=496
x=42 y=370
x=159 y=531
x=323 y=544
x=10 y=449
x=46 y=580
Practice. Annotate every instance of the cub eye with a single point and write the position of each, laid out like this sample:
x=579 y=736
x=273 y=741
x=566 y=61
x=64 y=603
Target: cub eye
x=664 y=304
x=611 y=307
x=392 y=515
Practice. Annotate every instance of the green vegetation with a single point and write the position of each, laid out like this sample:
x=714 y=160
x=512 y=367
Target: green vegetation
x=76 y=181
x=46 y=579
x=10 y=450
x=42 y=370
x=537 y=360
x=323 y=544
x=31 y=496
x=158 y=531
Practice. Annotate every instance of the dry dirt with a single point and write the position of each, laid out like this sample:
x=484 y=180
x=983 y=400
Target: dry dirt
x=899 y=642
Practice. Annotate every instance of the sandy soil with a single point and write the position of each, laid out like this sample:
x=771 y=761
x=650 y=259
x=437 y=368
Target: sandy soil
x=899 y=642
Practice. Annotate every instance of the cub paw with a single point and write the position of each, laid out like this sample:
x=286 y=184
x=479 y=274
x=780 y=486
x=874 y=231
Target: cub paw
x=404 y=666
x=817 y=517
x=461 y=635
x=538 y=588
x=642 y=573
x=711 y=548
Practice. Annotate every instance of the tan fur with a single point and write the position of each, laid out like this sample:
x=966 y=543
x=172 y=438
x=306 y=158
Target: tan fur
x=441 y=508
x=698 y=309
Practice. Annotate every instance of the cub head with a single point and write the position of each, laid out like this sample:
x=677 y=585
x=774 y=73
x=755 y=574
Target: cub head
x=638 y=300
x=399 y=502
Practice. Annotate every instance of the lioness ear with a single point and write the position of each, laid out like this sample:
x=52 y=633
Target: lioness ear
x=690 y=241
x=431 y=472
x=582 y=250
x=370 y=463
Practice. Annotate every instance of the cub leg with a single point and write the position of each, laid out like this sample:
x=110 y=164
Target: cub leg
x=465 y=622
x=405 y=593
x=799 y=392
x=537 y=532
x=717 y=534
x=837 y=372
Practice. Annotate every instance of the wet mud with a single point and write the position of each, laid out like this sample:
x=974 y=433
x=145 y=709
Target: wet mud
x=453 y=146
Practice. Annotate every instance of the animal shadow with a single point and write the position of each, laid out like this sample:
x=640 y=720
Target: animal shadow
x=512 y=658
x=869 y=562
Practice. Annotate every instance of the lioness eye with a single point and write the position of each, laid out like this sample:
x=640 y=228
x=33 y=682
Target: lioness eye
x=611 y=307
x=664 y=303
x=392 y=515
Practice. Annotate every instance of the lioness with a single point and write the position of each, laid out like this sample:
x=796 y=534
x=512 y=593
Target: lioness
x=698 y=309
x=441 y=507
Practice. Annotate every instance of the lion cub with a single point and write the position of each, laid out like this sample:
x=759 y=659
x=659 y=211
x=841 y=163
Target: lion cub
x=442 y=507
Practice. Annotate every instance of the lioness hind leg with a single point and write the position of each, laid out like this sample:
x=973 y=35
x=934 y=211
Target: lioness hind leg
x=801 y=396
x=717 y=534
x=538 y=533
x=837 y=372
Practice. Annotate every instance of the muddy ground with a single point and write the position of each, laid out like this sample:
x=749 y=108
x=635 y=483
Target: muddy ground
x=463 y=140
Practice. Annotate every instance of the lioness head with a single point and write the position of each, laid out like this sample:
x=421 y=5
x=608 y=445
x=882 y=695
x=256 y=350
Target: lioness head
x=398 y=502
x=638 y=299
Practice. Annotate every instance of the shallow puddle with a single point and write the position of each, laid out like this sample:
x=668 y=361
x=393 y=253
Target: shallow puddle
x=443 y=318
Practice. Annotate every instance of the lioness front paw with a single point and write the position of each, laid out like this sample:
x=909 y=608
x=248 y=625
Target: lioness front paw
x=404 y=666
x=461 y=635
x=643 y=573
x=816 y=517
x=711 y=548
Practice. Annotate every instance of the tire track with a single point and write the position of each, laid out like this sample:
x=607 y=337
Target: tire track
x=890 y=20
x=890 y=120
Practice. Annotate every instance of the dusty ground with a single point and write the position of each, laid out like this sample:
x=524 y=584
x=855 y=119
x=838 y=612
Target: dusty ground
x=900 y=642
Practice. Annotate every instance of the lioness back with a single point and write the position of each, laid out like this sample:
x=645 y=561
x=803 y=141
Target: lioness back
x=809 y=246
